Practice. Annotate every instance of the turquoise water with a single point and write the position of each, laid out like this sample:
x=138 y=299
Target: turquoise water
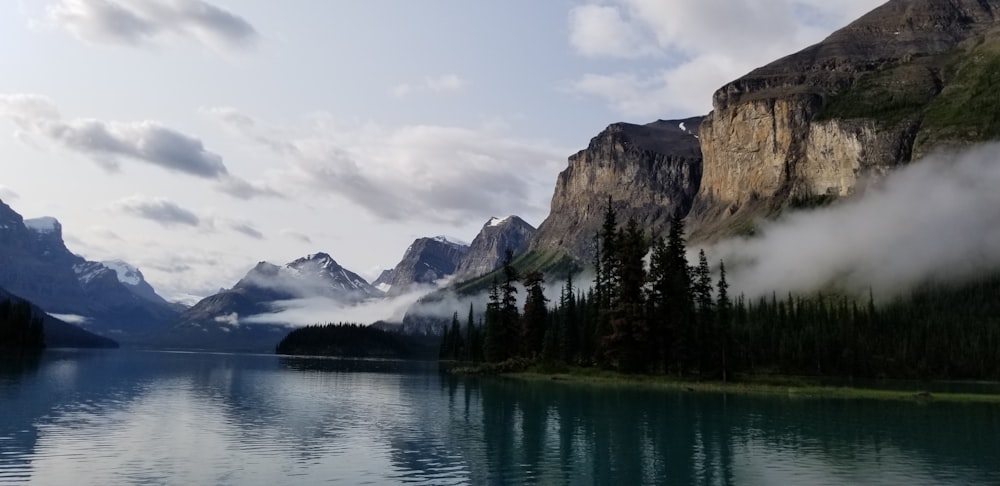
x=129 y=417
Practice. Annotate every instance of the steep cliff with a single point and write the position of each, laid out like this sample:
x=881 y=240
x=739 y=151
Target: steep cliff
x=487 y=250
x=649 y=171
x=909 y=77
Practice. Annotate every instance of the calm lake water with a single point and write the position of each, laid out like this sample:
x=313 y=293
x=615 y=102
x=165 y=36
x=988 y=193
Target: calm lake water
x=130 y=417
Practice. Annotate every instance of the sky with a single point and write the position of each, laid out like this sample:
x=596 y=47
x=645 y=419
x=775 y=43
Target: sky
x=194 y=138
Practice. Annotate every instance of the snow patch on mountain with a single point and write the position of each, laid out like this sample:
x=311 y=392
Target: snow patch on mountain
x=495 y=221
x=451 y=241
x=127 y=274
x=44 y=224
x=88 y=271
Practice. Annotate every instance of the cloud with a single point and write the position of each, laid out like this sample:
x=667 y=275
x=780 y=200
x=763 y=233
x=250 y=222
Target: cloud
x=935 y=219
x=447 y=83
x=105 y=233
x=71 y=318
x=108 y=144
x=428 y=172
x=247 y=229
x=698 y=46
x=157 y=209
x=314 y=310
x=8 y=194
x=600 y=30
x=232 y=319
x=243 y=189
x=295 y=235
x=135 y=23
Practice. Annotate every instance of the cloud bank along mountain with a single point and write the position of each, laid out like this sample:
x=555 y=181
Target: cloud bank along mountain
x=936 y=219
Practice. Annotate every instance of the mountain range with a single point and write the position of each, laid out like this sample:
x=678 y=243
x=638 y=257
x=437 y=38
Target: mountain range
x=809 y=129
x=38 y=267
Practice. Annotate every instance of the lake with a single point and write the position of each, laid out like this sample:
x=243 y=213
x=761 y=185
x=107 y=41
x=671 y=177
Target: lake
x=133 y=417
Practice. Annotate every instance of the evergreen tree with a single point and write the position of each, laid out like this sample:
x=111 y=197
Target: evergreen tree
x=569 y=334
x=607 y=258
x=533 y=323
x=509 y=315
x=724 y=318
x=457 y=343
x=628 y=345
x=495 y=342
x=704 y=336
x=679 y=301
x=18 y=328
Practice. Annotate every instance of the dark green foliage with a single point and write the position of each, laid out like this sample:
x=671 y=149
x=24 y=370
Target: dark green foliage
x=354 y=341
x=18 y=328
x=494 y=344
x=509 y=315
x=453 y=343
x=666 y=317
x=534 y=322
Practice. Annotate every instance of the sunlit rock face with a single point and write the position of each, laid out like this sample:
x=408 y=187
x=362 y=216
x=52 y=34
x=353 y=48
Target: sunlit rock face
x=822 y=122
x=648 y=171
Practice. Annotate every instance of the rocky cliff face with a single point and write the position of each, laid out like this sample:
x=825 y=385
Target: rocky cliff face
x=821 y=122
x=649 y=171
x=487 y=250
x=427 y=260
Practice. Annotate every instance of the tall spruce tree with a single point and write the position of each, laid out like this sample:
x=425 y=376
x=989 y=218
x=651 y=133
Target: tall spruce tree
x=509 y=315
x=569 y=333
x=495 y=341
x=628 y=344
x=533 y=323
x=679 y=300
x=724 y=318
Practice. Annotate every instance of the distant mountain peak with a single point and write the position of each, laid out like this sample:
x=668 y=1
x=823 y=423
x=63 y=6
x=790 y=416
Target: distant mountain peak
x=425 y=261
x=491 y=244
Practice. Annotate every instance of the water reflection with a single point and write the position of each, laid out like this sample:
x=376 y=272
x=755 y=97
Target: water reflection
x=119 y=417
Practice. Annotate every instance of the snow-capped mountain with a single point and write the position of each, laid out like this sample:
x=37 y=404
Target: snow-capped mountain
x=215 y=321
x=36 y=265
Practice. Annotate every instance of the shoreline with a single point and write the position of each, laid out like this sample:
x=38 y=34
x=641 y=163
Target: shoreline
x=770 y=385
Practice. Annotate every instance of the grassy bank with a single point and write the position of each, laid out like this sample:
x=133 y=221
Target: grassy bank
x=774 y=385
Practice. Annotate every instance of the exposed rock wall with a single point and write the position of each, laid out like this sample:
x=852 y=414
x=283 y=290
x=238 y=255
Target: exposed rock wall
x=487 y=250
x=825 y=120
x=649 y=171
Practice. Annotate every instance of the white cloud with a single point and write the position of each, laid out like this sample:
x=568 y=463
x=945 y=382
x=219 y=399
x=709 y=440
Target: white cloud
x=108 y=143
x=935 y=219
x=447 y=83
x=418 y=172
x=246 y=228
x=157 y=209
x=142 y=22
x=699 y=46
x=295 y=235
x=8 y=194
x=600 y=30
x=232 y=319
